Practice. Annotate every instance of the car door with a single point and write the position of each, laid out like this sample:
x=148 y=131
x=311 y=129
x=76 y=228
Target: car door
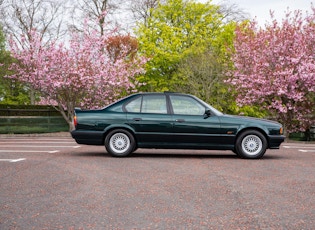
x=149 y=116
x=191 y=127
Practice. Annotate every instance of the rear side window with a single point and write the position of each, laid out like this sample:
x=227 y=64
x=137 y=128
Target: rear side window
x=148 y=104
x=134 y=106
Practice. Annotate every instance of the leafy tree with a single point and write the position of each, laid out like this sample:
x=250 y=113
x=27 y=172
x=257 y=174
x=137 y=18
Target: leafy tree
x=11 y=91
x=2 y=39
x=122 y=45
x=173 y=31
x=22 y=16
x=275 y=68
x=189 y=44
x=79 y=74
x=201 y=75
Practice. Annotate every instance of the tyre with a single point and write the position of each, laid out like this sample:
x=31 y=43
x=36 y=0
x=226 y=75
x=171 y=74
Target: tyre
x=119 y=143
x=251 y=144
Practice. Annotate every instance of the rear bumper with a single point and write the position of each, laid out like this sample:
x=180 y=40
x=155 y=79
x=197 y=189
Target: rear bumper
x=275 y=141
x=88 y=137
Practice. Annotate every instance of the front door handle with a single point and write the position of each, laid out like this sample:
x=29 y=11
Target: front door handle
x=180 y=120
x=137 y=119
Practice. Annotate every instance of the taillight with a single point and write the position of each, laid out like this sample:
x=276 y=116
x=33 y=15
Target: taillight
x=75 y=121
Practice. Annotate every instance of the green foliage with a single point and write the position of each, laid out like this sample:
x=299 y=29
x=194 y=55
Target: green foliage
x=2 y=39
x=250 y=111
x=11 y=91
x=27 y=110
x=201 y=75
x=175 y=30
x=35 y=124
x=190 y=46
x=31 y=119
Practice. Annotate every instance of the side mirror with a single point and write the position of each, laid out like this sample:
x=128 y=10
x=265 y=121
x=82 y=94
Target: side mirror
x=207 y=113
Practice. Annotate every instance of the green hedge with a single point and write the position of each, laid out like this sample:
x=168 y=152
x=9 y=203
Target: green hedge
x=28 y=110
x=18 y=119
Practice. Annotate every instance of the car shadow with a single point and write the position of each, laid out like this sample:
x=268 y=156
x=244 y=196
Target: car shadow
x=91 y=154
x=200 y=156
x=182 y=155
x=155 y=154
x=164 y=154
x=185 y=154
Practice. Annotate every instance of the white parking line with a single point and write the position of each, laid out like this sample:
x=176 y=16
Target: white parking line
x=301 y=148
x=298 y=147
x=38 y=146
x=37 y=142
x=44 y=139
x=306 y=151
x=13 y=160
x=28 y=151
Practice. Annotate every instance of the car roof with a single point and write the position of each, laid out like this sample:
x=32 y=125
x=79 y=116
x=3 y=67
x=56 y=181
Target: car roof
x=165 y=92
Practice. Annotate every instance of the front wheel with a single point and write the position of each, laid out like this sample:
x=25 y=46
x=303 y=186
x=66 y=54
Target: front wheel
x=119 y=143
x=251 y=145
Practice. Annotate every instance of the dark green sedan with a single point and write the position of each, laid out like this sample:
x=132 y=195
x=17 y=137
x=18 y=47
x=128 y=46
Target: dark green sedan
x=173 y=121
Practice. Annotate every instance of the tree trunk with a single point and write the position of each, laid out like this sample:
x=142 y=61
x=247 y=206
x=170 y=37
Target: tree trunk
x=67 y=115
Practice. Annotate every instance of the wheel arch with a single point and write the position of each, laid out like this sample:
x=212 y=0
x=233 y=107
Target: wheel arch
x=261 y=130
x=113 y=127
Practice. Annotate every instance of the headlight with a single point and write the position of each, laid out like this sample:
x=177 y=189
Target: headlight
x=281 y=131
x=275 y=130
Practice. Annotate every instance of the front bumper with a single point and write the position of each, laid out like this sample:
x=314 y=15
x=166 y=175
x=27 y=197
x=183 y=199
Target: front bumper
x=275 y=141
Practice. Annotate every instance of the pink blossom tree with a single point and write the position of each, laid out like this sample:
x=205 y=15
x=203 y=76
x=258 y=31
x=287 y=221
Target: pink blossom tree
x=275 y=68
x=80 y=73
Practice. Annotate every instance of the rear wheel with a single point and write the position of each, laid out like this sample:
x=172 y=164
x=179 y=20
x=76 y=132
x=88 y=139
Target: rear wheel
x=119 y=143
x=251 y=144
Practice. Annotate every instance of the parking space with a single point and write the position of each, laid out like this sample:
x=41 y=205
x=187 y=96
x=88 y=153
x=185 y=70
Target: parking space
x=17 y=149
x=300 y=147
x=54 y=183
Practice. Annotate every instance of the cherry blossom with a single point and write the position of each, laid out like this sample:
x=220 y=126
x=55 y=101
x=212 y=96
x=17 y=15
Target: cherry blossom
x=275 y=68
x=77 y=74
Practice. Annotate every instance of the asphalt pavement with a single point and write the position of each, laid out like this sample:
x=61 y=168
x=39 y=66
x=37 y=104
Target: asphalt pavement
x=50 y=182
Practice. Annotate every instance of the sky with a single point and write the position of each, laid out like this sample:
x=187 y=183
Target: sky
x=261 y=8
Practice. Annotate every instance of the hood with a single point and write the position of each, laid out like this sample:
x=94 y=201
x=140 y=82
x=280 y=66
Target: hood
x=251 y=119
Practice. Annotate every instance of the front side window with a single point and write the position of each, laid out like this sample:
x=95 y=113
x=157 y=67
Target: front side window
x=184 y=105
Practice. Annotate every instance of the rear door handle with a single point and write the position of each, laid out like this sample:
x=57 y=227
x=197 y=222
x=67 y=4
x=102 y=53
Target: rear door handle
x=180 y=120
x=137 y=119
